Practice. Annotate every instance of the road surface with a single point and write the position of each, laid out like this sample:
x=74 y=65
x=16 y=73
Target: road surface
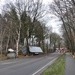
x=27 y=66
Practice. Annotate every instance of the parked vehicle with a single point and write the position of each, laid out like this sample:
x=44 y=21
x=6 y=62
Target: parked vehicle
x=33 y=50
x=11 y=53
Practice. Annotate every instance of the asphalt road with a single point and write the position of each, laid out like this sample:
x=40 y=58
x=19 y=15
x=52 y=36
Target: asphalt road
x=27 y=66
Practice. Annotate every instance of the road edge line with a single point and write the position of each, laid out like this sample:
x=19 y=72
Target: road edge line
x=44 y=66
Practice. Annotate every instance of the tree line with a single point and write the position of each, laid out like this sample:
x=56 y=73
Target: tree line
x=20 y=22
x=65 y=11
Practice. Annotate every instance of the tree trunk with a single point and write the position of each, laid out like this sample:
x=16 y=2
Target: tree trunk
x=27 y=46
x=18 y=39
x=43 y=45
x=1 y=52
x=54 y=47
x=72 y=52
x=1 y=40
x=32 y=41
x=17 y=47
x=17 y=44
x=59 y=45
x=7 y=44
x=39 y=43
x=24 y=41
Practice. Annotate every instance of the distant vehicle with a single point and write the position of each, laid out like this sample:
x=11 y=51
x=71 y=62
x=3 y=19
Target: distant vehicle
x=33 y=50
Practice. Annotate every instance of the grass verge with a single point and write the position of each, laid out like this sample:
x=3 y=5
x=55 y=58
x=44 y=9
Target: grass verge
x=3 y=57
x=57 y=68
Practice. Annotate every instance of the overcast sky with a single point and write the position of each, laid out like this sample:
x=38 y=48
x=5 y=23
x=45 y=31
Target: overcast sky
x=53 y=21
x=50 y=22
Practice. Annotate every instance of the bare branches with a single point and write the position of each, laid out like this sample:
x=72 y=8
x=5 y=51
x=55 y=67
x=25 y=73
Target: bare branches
x=65 y=10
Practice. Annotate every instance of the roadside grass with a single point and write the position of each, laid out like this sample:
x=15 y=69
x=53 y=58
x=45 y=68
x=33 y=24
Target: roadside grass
x=57 y=68
x=2 y=57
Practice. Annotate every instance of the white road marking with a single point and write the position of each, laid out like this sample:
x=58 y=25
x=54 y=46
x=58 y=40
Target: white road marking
x=44 y=66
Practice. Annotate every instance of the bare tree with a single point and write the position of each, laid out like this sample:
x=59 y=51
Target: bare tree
x=66 y=14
